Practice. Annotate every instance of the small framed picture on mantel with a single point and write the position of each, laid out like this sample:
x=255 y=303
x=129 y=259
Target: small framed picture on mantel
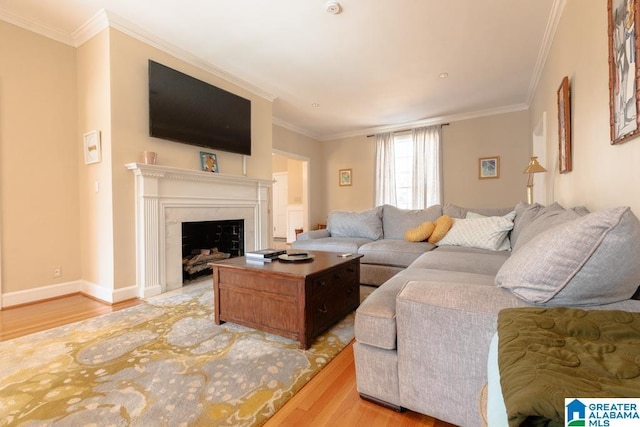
x=209 y=162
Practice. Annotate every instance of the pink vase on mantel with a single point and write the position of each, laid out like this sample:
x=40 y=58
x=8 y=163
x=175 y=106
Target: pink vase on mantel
x=149 y=157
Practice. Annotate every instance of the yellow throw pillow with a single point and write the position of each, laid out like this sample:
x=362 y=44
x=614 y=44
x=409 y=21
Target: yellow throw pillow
x=443 y=224
x=420 y=233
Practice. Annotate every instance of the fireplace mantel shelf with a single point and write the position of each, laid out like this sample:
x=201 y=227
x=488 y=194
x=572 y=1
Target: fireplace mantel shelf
x=168 y=196
x=169 y=172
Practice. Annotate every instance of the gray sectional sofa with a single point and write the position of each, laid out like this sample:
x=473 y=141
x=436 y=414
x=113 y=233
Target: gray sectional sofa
x=378 y=234
x=423 y=336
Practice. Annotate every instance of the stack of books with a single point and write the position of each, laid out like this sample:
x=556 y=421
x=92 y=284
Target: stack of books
x=264 y=255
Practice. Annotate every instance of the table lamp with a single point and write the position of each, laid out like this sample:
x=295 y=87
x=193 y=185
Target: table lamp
x=532 y=167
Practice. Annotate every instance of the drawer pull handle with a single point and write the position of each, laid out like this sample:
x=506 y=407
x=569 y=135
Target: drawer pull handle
x=337 y=276
x=349 y=290
x=322 y=283
x=351 y=269
x=323 y=309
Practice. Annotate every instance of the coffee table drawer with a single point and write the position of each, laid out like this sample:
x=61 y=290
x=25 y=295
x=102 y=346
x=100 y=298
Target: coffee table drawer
x=333 y=279
x=334 y=305
x=268 y=312
x=245 y=279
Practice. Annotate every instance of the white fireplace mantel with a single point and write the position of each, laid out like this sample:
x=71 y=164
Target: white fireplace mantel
x=168 y=196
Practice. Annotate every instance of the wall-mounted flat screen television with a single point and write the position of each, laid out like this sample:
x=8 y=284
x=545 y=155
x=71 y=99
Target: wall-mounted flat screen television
x=188 y=110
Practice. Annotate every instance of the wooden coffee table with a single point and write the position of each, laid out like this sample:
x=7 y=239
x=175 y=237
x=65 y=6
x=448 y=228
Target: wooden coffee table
x=297 y=300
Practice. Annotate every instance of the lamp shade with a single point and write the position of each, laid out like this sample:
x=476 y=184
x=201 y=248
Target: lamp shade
x=534 y=166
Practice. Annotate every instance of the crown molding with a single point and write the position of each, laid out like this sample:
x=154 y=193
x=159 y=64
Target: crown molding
x=282 y=123
x=132 y=30
x=37 y=27
x=428 y=122
x=91 y=28
x=104 y=19
x=549 y=34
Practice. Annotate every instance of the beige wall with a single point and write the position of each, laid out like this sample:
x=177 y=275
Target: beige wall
x=358 y=154
x=130 y=136
x=287 y=141
x=95 y=185
x=466 y=141
x=603 y=175
x=39 y=156
x=57 y=211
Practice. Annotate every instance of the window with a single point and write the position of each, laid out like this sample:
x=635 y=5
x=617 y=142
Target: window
x=403 y=150
x=408 y=168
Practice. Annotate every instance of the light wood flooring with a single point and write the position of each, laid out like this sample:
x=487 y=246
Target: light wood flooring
x=329 y=399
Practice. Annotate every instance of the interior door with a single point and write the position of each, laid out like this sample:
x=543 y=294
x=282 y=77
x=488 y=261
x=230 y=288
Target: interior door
x=280 y=202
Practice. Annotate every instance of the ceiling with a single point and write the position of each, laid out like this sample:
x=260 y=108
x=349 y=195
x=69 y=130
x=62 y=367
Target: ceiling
x=375 y=66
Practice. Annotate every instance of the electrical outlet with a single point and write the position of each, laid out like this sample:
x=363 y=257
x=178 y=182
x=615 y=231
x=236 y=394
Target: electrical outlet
x=57 y=272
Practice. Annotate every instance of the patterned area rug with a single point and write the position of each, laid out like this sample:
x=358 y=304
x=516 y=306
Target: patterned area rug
x=164 y=363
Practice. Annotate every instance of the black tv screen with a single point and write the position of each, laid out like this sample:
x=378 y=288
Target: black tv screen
x=188 y=110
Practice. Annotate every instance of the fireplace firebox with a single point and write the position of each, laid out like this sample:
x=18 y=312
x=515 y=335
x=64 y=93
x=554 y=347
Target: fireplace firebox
x=209 y=241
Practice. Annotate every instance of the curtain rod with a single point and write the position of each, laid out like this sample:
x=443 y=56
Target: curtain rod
x=407 y=130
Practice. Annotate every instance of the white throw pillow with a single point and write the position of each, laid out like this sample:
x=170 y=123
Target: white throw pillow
x=480 y=232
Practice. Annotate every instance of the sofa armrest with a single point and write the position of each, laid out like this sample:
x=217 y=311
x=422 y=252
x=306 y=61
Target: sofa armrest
x=444 y=332
x=313 y=234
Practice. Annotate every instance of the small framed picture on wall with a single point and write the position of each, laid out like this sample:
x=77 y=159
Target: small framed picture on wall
x=344 y=177
x=564 y=126
x=489 y=167
x=92 y=147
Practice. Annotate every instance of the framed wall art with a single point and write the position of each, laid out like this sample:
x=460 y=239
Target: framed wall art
x=92 y=147
x=209 y=162
x=344 y=177
x=624 y=75
x=564 y=126
x=489 y=167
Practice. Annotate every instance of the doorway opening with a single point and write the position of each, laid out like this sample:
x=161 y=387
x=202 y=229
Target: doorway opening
x=289 y=196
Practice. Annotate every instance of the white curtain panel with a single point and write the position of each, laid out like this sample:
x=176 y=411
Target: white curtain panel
x=427 y=170
x=385 y=175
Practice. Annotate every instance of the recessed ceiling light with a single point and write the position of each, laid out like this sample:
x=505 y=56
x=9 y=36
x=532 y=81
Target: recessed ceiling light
x=443 y=75
x=333 y=7
x=315 y=105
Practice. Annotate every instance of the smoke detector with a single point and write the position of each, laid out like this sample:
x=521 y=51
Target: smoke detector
x=333 y=7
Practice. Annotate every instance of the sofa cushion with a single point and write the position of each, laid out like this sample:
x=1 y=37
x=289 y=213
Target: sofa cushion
x=459 y=258
x=332 y=244
x=375 y=322
x=396 y=222
x=455 y=211
x=485 y=233
x=366 y=224
x=393 y=252
x=536 y=219
x=592 y=260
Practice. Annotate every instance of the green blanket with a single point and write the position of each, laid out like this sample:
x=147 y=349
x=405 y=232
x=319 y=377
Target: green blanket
x=547 y=355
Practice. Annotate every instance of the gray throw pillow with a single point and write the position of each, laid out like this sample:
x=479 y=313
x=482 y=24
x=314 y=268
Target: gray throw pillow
x=396 y=222
x=592 y=260
x=366 y=224
x=537 y=219
x=455 y=211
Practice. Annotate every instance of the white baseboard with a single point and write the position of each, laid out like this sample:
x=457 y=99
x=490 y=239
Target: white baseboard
x=28 y=296
x=109 y=295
